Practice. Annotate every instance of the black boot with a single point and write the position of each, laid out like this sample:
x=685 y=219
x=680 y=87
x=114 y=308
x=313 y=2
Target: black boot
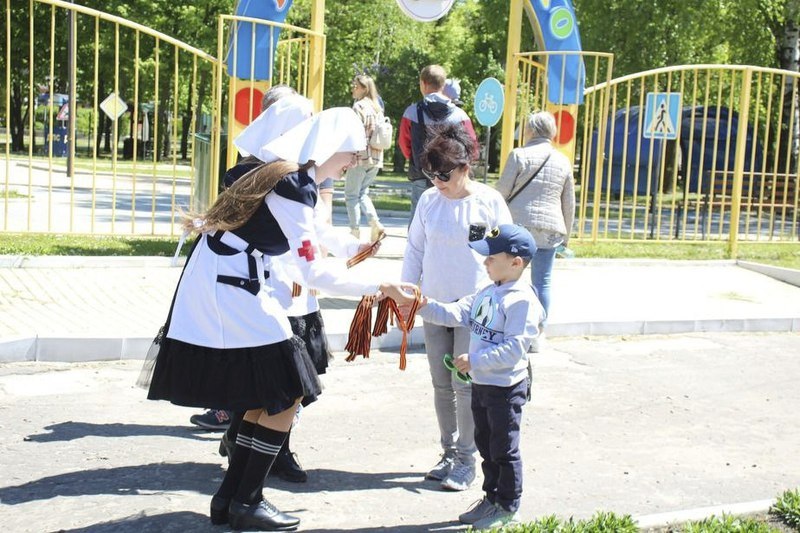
x=286 y=466
x=261 y=516
x=219 y=510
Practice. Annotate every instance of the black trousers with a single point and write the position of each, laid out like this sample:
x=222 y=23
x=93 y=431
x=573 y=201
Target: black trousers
x=498 y=414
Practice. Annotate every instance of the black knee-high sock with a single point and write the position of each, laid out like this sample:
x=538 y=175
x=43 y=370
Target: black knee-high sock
x=233 y=429
x=265 y=447
x=238 y=462
x=285 y=447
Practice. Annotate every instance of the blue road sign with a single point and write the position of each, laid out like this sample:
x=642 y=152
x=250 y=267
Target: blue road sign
x=662 y=116
x=489 y=102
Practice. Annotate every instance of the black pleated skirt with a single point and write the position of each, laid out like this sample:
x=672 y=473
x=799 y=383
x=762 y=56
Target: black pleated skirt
x=269 y=377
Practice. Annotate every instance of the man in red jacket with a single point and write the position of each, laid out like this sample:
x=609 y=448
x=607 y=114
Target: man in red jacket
x=433 y=110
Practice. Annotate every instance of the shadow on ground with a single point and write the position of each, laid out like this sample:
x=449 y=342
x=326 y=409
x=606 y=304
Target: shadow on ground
x=166 y=477
x=66 y=431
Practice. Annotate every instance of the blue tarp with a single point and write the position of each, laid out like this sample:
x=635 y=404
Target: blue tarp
x=721 y=128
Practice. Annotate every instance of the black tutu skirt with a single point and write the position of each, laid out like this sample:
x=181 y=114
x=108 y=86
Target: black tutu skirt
x=311 y=330
x=269 y=377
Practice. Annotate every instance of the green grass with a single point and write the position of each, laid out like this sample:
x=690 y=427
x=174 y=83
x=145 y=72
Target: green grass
x=600 y=522
x=386 y=203
x=11 y=194
x=784 y=516
x=729 y=524
x=787 y=508
x=46 y=244
x=785 y=255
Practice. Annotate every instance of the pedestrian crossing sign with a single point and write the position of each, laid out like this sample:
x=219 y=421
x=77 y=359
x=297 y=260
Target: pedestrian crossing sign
x=662 y=116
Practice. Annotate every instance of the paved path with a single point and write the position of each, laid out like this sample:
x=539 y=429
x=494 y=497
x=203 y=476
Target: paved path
x=640 y=425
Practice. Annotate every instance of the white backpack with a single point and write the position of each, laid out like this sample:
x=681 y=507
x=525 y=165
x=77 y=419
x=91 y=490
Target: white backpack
x=383 y=134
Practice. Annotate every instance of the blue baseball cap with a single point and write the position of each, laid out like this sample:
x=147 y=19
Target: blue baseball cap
x=509 y=238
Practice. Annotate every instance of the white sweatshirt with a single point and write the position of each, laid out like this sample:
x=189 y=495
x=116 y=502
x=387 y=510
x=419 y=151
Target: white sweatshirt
x=437 y=251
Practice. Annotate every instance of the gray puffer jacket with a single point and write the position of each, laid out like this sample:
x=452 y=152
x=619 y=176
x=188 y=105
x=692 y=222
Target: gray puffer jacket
x=546 y=204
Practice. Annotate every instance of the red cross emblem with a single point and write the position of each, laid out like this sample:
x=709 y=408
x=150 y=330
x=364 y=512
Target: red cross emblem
x=307 y=251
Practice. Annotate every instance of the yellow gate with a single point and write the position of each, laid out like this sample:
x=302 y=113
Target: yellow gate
x=687 y=153
x=700 y=152
x=146 y=110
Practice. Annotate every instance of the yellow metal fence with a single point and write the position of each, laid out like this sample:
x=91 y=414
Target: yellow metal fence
x=679 y=154
x=146 y=110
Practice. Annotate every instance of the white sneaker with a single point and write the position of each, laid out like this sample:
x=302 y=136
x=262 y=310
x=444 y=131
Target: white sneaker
x=460 y=477
x=478 y=510
x=442 y=468
x=496 y=518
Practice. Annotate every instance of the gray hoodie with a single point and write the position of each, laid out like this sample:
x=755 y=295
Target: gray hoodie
x=503 y=321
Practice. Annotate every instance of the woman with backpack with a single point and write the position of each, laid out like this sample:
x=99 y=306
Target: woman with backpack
x=358 y=179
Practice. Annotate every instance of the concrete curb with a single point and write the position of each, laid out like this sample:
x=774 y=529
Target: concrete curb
x=786 y=275
x=85 y=349
x=675 y=517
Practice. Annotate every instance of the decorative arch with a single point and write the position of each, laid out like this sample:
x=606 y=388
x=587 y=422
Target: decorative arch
x=555 y=29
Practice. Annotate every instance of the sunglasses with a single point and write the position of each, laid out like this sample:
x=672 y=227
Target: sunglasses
x=441 y=176
x=460 y=376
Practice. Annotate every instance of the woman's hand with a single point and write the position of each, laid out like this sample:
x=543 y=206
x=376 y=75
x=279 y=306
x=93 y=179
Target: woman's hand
x=401 y=293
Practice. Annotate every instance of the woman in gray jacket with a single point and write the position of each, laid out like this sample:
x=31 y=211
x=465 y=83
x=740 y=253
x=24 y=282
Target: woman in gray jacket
x=537 y=184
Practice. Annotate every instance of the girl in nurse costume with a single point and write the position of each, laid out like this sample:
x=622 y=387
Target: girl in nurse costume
x=228 y=342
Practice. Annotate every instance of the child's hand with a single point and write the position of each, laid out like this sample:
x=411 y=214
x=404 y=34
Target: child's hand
x=373 y=249
x=461 y=362
x=405 y=309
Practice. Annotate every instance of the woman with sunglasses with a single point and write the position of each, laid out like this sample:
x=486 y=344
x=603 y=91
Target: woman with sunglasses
x=455 y=211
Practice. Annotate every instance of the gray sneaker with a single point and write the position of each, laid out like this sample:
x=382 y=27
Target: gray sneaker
x=495 y=518
x=460 y=477
x=442 y=468
x=476 y=512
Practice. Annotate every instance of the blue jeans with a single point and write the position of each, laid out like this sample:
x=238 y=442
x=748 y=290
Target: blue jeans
x=541 y=269
x=356 y=194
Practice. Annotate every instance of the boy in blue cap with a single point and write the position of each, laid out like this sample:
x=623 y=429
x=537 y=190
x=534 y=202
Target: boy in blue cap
x=504 y=319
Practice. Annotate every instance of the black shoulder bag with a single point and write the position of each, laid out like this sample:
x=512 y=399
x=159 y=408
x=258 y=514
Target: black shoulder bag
x=515 y=193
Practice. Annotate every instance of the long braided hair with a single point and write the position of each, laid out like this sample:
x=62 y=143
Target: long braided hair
x=239 y=202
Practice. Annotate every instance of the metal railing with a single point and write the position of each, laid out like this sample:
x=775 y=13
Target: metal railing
x=713 y=158
x=138 y=102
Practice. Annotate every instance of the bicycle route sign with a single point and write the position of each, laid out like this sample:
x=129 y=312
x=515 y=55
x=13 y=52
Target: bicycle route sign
x=489 y=102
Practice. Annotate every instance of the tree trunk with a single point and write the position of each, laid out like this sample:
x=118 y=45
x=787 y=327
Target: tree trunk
x=201 y=98
x=789 y=55
x=17 y=126
x=186 y=123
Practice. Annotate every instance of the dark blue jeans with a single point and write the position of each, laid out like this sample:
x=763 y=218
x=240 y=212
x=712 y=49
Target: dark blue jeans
x=498 y=413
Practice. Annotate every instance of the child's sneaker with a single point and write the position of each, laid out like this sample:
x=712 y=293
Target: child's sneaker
x=460 y=477
x=442 y=468
x=212 y=420
x=476 y=512
x=495 y=518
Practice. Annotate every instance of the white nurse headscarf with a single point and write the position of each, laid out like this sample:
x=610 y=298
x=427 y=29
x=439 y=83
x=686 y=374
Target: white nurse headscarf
x=276 y=120
x=316 y=139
